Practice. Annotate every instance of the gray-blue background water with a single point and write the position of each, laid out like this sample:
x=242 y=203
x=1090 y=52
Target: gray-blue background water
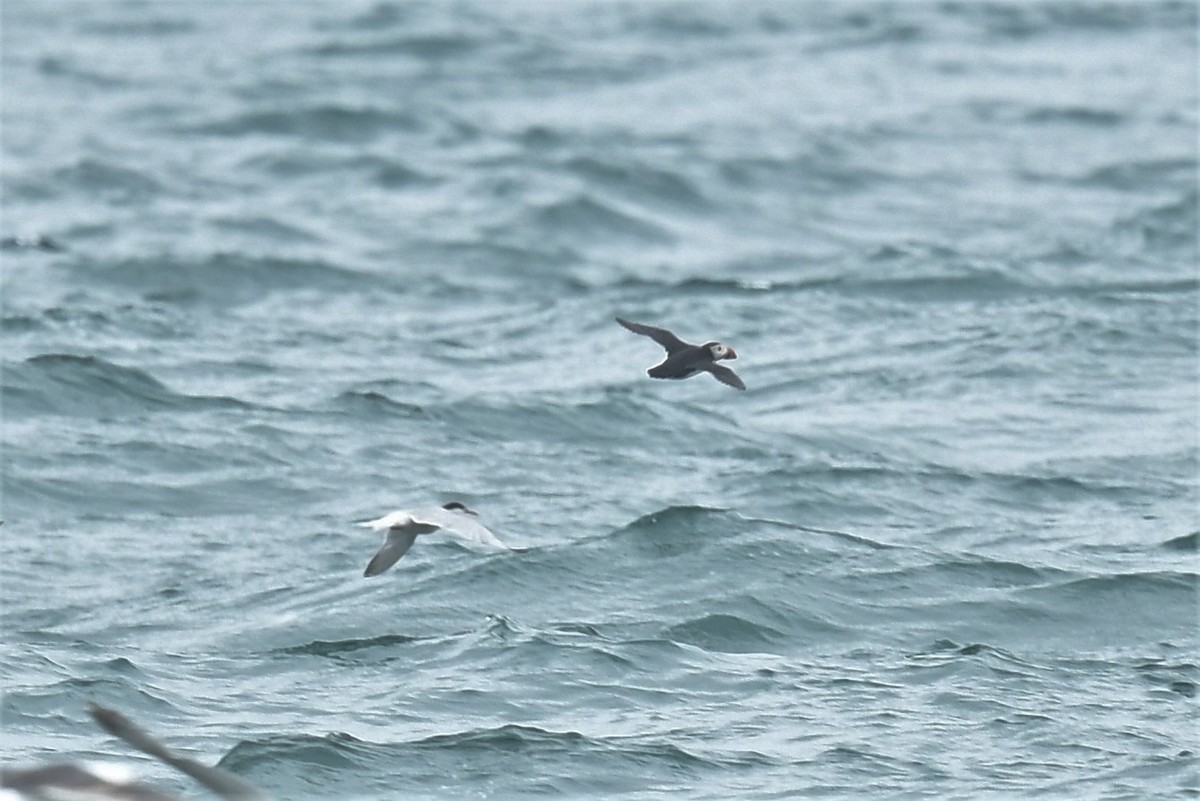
x=271 y=268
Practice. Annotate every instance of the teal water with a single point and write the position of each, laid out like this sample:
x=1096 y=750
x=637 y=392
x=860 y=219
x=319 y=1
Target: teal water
x=272 y=268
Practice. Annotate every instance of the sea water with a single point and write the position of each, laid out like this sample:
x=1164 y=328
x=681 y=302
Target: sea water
x=272 y=268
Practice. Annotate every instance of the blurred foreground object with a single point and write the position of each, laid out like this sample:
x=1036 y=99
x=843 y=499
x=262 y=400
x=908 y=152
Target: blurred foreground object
x=82 y=781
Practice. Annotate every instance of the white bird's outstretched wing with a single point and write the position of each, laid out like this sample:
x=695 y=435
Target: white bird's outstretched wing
x=398 y=541
x=460 y=523
x=390 y=520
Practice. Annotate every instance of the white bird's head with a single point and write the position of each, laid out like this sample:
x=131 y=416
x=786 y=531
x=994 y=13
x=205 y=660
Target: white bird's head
x=455 y=506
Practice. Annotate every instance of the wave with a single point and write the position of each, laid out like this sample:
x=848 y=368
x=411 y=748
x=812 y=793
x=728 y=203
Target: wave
x=1140 y=174
x=511 y=737
x=1185 y=542
x=378 y=17
x=41 y=243
x=1076 y=115
x=947 y=574
x=139 y=493
x=674 y=22
x=1022 y=116
x=49 y=700
x=74 y=317
x=470 y=265
x=107 y=181
x=222 y=278
x=727 y=634
x=984 y=284
x=310 y=752
x=426 y=47
x=1051 y=491
x=587 y=219
x=1148 y=592
x=702 y=285
x=904 y=279
x=1118 y=607
x=374 y=404
x=70 y=68
x=337 y=648
x=1022 y=22
x=1019 y=606
x=88 y=386
x=685 y=529
x=1167 y=225
x=646 y=752
x=828 y=170
x=320 y=123
x=1180 y=678
x=1056 y=590
x=559 y=759
x=149 y=25
x=999 y=660
x=116 y=181
x=614 y=417
x=676 y=530
x=850 y=29
x=265 y=227
x=641 y=183
x=383 y=171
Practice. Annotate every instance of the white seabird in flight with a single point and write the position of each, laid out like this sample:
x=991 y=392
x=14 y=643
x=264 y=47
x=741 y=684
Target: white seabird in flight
x=403 y=526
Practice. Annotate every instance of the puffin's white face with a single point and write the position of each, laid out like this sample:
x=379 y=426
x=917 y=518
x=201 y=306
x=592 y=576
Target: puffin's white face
x=720 y=351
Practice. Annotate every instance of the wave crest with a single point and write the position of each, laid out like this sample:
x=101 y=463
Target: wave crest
x=88 y=386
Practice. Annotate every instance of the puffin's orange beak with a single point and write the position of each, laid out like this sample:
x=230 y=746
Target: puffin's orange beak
x=730 y=353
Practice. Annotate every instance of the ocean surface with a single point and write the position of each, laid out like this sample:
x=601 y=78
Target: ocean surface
x=272 y=268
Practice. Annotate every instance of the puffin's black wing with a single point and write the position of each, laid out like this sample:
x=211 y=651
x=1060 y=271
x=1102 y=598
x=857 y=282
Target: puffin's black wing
x=725 y=375
x=660 y=335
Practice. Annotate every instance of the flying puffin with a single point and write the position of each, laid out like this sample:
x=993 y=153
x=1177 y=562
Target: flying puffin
x=685 y=360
